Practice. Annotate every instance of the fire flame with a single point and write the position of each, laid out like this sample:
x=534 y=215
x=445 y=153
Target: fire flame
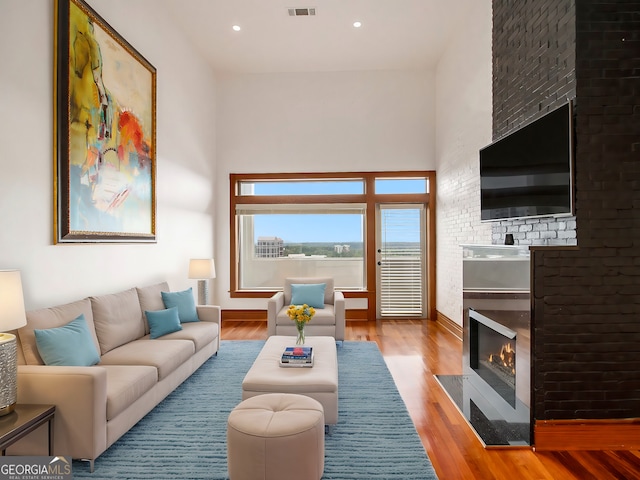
x=506 y=357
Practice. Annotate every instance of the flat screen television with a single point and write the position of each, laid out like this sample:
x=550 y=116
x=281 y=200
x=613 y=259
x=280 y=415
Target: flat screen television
x=529 y=172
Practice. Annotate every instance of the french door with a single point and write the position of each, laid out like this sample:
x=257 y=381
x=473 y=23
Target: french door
x=401 y=266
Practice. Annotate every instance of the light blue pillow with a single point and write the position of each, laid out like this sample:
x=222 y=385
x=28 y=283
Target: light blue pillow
x=162 y=322
x=69 y=345
x=310 y=293
x=184 y=302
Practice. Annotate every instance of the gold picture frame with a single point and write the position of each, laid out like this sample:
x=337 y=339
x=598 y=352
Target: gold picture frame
x=105 y=132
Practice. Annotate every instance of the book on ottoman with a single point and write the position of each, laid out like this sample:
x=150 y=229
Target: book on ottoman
x=298 y=356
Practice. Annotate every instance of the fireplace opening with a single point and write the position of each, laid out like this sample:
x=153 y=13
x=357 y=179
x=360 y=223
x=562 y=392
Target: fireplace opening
x=492 y=355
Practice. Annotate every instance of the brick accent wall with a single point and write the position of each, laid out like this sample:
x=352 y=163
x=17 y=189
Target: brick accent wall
x=586 y=300
x=533 y=73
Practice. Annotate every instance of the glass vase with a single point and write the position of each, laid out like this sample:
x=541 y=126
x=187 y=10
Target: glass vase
x=300 y=337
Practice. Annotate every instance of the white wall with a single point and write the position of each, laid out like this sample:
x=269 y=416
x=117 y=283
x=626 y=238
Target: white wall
x=307 y=122
x=208 y=128
x=463 y=126
x=54 y=274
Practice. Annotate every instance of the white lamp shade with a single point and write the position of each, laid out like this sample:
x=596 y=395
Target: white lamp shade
x=202 y=268
x=12 y=314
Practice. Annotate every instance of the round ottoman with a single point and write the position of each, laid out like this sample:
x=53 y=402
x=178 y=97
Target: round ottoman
x=276 y=436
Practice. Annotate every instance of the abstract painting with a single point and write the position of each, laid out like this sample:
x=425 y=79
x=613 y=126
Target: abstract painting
x=105 y=128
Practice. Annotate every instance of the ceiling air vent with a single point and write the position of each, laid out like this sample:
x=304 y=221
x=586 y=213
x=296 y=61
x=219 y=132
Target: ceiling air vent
x=302 y=12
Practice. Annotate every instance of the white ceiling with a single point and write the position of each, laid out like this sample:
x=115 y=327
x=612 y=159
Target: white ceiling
x=395 y=34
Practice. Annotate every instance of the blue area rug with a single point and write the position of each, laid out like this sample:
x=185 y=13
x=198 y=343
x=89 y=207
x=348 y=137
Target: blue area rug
x=185 y=436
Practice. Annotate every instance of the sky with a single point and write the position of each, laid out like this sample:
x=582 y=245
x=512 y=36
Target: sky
x=291 y=228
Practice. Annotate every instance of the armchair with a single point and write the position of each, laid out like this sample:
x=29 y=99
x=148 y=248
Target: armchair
x=328 y=321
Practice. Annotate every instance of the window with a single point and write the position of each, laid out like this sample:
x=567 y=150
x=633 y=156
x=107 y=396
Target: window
x=401 y=185
x=319 y=224
x=282 y=241
x=302 y=187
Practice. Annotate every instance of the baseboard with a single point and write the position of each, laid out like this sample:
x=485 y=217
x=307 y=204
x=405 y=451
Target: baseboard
x=240 y=315
x=257 y=315
x=356 y=314
x=609 y=434
x=449 y=325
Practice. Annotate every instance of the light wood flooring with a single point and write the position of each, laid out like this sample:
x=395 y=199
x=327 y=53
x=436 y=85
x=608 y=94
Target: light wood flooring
x=414 y=351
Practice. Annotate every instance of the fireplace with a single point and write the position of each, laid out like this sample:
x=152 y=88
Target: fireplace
x=492 y=354
x=494 y=391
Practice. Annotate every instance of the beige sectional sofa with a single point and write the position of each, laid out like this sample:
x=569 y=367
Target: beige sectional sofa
x=96 y=405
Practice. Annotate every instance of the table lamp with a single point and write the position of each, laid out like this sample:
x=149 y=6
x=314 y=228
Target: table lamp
x=202 y=269
x=12 y=317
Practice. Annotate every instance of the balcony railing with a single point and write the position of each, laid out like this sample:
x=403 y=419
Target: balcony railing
x=270 y=273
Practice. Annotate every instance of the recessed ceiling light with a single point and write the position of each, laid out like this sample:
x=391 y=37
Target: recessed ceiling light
x=236 y=28
x=357 y=24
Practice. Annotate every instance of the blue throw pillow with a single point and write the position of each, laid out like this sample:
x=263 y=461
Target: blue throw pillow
x=310 y=293
x=69 y=345
x=185 y=304
x=162 y=322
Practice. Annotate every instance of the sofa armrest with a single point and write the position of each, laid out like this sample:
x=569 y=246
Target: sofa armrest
x=209 y=313
x=274 y=305
x=80 y=397
x=339 y=306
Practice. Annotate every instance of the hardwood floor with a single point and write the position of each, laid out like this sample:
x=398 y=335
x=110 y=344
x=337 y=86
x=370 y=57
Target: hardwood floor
x=414 y=352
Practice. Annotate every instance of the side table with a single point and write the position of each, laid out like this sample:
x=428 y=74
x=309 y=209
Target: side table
x=24 y=420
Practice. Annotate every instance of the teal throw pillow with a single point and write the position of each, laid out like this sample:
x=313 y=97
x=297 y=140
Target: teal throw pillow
x=69 y=345
x=162 y=322
x=310 y=293
x=184 y=302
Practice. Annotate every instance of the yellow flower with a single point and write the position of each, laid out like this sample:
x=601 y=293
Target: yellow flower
x=301 y=313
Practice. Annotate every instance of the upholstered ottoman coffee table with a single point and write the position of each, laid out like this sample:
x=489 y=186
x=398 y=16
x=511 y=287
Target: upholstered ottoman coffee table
x=319 y=382
x=276 y=436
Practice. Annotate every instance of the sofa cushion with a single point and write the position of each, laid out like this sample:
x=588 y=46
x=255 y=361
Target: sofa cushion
x=311 y=294
x=162 y=322
x=118 y=319
x=165 y=355
x=126 y=384
x=50 y=318
x=323 y=316
x=328 y=291
x=185 y=304
x=69 y=345
x=200 y=333
x=151 y=299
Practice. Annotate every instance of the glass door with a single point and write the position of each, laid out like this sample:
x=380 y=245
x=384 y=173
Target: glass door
x=401 y=267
